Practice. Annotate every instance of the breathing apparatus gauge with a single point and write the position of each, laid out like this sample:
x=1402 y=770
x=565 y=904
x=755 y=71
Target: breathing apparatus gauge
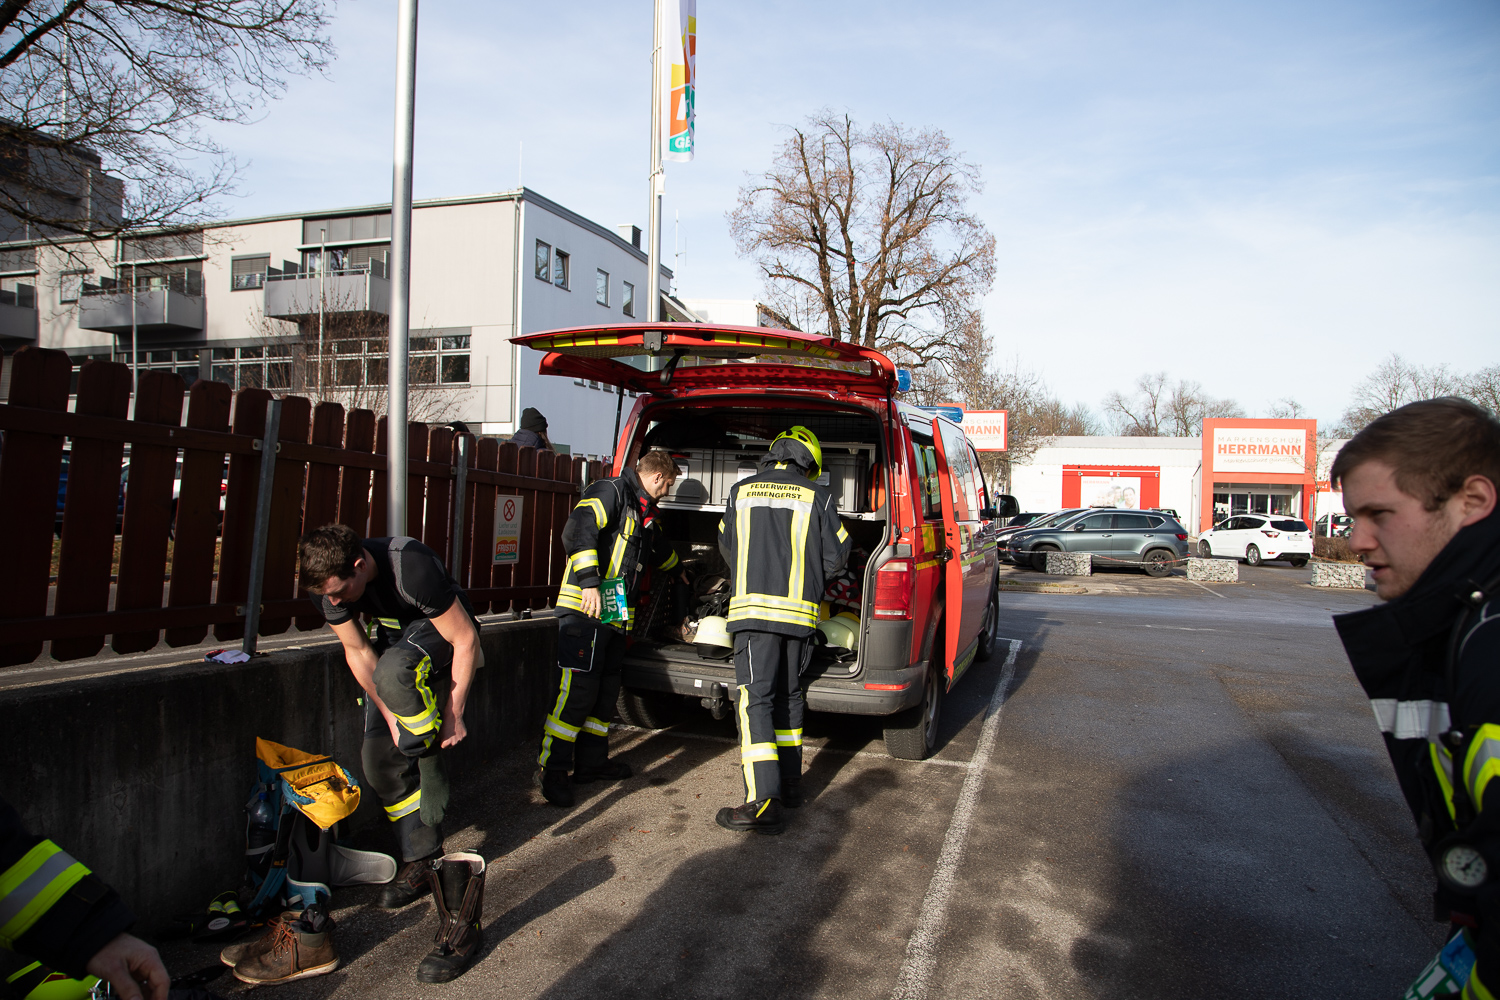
x=1463 y=867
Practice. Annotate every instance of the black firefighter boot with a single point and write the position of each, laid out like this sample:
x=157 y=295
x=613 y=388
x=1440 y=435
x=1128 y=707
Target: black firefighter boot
x=458 y=891
x=762 y=816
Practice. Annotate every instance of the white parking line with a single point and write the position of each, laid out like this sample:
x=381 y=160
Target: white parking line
x=1203 y=588
x=915 y=977
x=806 y=750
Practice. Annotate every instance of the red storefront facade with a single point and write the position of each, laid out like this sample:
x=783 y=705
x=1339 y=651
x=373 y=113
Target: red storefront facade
x=1260 y=467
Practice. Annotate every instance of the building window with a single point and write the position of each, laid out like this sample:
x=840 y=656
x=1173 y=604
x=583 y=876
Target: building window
x=627 y=304
x=249 y=272
x=543 y=261
x=601 y=287
x=69 y=284
x=433 y=360
x=560 y=269
x=261 y=367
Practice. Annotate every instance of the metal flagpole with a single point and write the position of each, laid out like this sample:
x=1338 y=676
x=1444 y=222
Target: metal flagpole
x=400 y=326
x=135 y=358
x=653 y=212
x=322 y=273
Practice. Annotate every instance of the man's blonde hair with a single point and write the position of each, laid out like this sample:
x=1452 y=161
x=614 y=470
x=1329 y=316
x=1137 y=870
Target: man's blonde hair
x=656 y=460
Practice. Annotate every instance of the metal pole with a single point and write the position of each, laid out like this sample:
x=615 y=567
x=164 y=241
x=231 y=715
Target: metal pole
x=268 y=449
x=135 y=359
x=322 y=273
x=653 y=211
x=614 y=442
x=400 y=328
x=460 y=485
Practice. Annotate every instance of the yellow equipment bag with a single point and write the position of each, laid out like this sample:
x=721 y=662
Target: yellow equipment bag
x=317 y=786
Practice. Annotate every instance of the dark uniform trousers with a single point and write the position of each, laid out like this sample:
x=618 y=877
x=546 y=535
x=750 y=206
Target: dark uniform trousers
x=413 y=678
x=576 y=733
x=767 y=669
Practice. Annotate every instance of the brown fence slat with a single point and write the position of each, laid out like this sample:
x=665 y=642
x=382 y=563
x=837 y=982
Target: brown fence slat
x=437 y=518
x=508 y=461
x=564 y=471
x=148 y=509
x=92 y=508
x=466 y=543
x=379 y=494
x=416 y=451
x=526 y=463
x=29 y=470
x=196 y=540
x=67 y=626
x=541 y=525
x=481 y=553
x=322 y=504
x=239 y=509
x=354 y=489
x=286 y=514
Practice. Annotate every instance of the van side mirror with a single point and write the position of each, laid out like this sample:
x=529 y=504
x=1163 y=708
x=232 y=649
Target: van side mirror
x=1008 y=506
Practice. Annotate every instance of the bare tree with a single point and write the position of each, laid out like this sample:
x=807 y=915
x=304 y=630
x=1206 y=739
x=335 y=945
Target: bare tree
x=1483 y=387
x=866 y=233
x=1161 y=408
x=1394 y=383
x=129 y=86
x=1286 y=408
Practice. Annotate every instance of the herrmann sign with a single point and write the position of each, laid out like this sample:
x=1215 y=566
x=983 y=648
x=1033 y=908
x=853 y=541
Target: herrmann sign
x=1254 y=449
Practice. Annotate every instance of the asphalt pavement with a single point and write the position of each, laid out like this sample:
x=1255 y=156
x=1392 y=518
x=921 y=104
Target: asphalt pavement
x=1169 y=792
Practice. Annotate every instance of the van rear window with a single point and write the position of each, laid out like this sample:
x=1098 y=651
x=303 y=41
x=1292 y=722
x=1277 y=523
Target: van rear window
x=1289 y=525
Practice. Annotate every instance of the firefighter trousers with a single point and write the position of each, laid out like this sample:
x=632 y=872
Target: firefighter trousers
x=413 y=677
x=769 y=710
x=576 y=733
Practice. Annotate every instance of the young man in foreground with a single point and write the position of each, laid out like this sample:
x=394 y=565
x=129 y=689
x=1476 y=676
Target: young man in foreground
x=1421 y=484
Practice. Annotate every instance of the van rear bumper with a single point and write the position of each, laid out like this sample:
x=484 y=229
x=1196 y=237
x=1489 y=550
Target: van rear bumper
x=897 y=689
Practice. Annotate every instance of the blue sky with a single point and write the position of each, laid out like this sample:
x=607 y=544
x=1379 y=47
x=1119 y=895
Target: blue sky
x=1266 y=197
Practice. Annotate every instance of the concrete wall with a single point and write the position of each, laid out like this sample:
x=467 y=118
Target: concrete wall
x=143 y=774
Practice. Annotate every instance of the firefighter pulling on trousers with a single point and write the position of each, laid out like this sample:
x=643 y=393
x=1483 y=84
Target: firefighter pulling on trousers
x=608 y=536
x=781 y=537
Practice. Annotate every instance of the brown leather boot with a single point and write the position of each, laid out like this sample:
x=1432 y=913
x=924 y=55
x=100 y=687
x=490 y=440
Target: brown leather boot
x=458 y=891
x=241 y=950
x=301 y=948
x=409 y=885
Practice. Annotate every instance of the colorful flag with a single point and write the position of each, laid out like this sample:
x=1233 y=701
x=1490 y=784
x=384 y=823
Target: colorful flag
x=679 y=32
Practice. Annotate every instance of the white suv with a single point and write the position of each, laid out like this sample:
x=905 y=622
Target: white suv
x=1258 y=537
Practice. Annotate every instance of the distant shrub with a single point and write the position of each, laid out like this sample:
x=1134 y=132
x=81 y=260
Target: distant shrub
x=1334 y=549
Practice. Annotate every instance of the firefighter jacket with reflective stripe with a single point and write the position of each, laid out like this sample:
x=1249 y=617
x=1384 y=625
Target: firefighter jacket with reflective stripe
x=606 y=536
x=781 y=537
x=1438 y=738
x=52 y=908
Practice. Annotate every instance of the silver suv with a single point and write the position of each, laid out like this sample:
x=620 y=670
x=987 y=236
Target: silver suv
x=1146 y=539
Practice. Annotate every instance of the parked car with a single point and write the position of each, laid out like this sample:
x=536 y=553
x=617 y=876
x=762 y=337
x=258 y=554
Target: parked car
x=1335 y=525
x=1258 y=537
x=908 y=483
x=1144 y=539
x=1008 y=532
x=1169 y=512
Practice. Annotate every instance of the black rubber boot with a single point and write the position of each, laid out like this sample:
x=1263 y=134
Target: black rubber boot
x=610 y=770
x=556 y=786
x=761 y=816
x=410 y=884
x=458 y=890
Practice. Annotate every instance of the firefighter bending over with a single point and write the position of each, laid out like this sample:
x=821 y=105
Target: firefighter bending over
x=781 y=537
x=610 y=534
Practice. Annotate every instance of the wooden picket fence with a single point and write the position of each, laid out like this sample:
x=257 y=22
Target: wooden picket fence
x=330 y=466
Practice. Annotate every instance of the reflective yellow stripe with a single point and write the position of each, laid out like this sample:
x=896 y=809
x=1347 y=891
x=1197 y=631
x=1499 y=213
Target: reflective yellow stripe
x=580 y=561
x=1476 y=990
x=1442 y=764
x=843 y=535
x=405 y=807
x=1482 y=762
x=560 y=729
x=596 y=726
x=32 y=886
x=617 y=556
x=789 y=737
x=597 y=506
x=429 y=719
x=555 y=726
x=761 y=752
x=797 y=578
x=742 y=706
x=671 y=561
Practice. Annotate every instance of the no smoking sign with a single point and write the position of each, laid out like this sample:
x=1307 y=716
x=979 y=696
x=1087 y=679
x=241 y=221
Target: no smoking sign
x=508 y=530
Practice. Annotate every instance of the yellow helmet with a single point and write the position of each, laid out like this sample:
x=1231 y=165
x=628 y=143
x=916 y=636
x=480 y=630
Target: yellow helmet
x=808 y=440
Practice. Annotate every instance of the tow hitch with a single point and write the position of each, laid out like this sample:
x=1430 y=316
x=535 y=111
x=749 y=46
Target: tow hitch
x=717 y=701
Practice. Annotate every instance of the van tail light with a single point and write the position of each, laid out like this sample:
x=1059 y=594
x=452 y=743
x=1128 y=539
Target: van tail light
x=1271 y=534
x=1182 y=536
x=893 y=586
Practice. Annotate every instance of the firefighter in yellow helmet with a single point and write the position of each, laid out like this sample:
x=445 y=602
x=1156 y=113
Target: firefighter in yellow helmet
x=781 y=537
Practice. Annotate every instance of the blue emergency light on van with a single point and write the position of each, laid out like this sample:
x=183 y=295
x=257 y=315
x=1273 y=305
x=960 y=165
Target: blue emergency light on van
x=953 y=413
x=903 y=380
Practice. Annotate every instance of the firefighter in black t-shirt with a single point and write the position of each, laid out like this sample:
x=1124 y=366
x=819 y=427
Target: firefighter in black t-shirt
x=415 y=663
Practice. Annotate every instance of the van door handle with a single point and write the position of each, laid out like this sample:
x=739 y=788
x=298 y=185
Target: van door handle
x=946 y=556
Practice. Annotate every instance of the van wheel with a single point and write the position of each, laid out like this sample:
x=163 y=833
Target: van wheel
x=1039 y=557
x=1158 y=563
x=912 y=734
x=986 y=647
x=1252 y=556
x=1298 y=561
x=650 y=709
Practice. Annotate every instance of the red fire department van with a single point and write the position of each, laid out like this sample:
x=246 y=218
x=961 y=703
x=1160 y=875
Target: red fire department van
x=909 y=489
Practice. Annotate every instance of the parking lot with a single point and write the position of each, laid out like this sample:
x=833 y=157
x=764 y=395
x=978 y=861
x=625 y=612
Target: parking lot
x=1176 y=791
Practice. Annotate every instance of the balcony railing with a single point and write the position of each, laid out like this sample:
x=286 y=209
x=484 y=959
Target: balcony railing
x=297 y=295
x=162 y=308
